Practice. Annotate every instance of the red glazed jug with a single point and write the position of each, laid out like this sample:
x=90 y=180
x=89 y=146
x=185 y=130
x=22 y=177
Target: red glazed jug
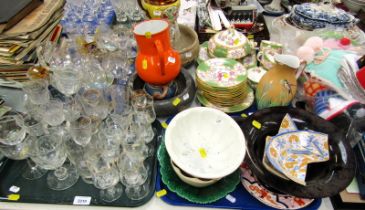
x=156 y=63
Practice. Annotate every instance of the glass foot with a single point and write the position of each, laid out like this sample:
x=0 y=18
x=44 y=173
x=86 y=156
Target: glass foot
x=111 y=194
x=63 y=177
x=33 y=173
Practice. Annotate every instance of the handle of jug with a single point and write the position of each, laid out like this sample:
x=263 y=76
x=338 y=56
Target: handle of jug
x=160 y=51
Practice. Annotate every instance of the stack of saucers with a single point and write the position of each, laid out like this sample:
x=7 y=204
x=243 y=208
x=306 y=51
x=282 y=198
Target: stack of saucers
x=222 y=84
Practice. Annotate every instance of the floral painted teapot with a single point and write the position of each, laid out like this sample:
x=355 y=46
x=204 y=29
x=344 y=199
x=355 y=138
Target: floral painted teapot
x=156 y=63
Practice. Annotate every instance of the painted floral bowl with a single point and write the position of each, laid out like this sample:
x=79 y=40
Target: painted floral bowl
x=205 y=143
x=229 y=44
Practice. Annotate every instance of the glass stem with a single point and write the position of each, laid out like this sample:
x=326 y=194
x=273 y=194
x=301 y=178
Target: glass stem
x=61 y=173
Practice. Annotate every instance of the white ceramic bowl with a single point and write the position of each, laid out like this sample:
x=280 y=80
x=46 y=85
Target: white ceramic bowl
x=193 y=181
x=205 y=143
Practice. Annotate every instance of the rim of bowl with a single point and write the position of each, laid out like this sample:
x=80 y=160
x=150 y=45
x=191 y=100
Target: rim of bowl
x=231 y=167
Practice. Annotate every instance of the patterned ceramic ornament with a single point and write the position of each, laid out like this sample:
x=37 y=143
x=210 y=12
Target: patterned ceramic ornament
x=221 y=73
x=229 y=44
x=287 y=125
x=291 y=152
x=274 y=200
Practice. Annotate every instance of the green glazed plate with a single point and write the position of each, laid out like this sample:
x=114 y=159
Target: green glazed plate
x=203 y=195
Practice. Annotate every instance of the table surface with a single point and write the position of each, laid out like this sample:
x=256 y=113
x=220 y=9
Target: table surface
x=14 y=99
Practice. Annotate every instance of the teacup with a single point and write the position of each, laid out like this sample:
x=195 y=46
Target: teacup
x=267 y=51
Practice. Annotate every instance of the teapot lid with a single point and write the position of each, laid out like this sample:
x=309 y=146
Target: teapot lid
x=230 y=38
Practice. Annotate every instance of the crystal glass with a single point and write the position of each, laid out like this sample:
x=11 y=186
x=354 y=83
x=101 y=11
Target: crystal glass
x=105 y=175
x=120 y=8
x=94 y=102
x=19 y=151
x=34 y=127
x=53 y=112
x=76 y=155
x=33 y=171
x=109 y=146
x=37 y=91
x=67 y=81
x=146 y=132
x=143 y=105
x=12 y=129
x=72 y=109
x=81 y=130
x=132 y=171
x=138 y=192
x=49 y=153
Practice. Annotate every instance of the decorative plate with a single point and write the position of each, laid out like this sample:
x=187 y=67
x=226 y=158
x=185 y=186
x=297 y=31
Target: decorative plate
x=221 y=73
x=323 y=179
x=291 y=152
x=236 y=108
x=202 y=195
x=272 y=199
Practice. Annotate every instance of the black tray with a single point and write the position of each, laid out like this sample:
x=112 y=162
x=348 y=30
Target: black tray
x=36 y=191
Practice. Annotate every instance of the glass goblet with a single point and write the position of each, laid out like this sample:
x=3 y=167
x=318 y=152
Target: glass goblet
x=67 y=81
x=12 y=129
x=120 y=10
x=81 y=130
x=49 y=153
x=19 y=151
x=105 y=175
x=37 y=91
x=53 y=112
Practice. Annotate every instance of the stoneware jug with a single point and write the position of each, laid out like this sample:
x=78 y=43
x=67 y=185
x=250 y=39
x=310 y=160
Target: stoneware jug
x=279 y=85
x=156 y=63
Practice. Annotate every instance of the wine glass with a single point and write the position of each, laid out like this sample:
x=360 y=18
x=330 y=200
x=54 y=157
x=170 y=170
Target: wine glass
x=37 y=91
x=120 y=8
x=49 y=153
x=81 y=130
x=12 y=129
x=105 y=175
x=53 y=112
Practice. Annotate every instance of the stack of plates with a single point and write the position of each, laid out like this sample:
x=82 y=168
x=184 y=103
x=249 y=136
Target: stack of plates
x=222 y=84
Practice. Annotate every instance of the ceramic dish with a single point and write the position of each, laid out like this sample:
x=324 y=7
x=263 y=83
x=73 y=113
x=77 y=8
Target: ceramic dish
x=232 y=109
x=267 y=197
x=313 y=16
x=323 y=179
x=202 y=195
x=187 y=45
x=254 y=75
x=205 y=143
x=193 y=181
x=221 y=73
x=229 y=44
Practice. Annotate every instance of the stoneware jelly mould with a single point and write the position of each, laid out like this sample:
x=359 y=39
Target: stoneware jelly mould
x=205 y=143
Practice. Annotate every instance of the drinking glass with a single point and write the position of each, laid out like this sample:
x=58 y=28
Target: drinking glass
x=19 y=151
x=76 y=155
x=34 y=127
x=67 y=81
x=12 y=129
x=94 y=102
x=53 y=112
x=105 y=175
x=146 y=132
x=81 y=130
x=72 y=109
x=143 y=105
x=138 y=192
x=120 y=10
x=49 y=153
x=109 y=146
x=37 y=91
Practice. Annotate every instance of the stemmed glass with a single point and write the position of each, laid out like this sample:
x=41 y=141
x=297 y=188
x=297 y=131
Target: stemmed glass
x=120 y=8
x=142 y=104
x=93 y=102
x=53 y=112
x=37 y=91
x=12 y=130
x=81 y=130
x=133 y=174
x=105 y=175
x=49 y=153
x=35 y=129
x=67 y=80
